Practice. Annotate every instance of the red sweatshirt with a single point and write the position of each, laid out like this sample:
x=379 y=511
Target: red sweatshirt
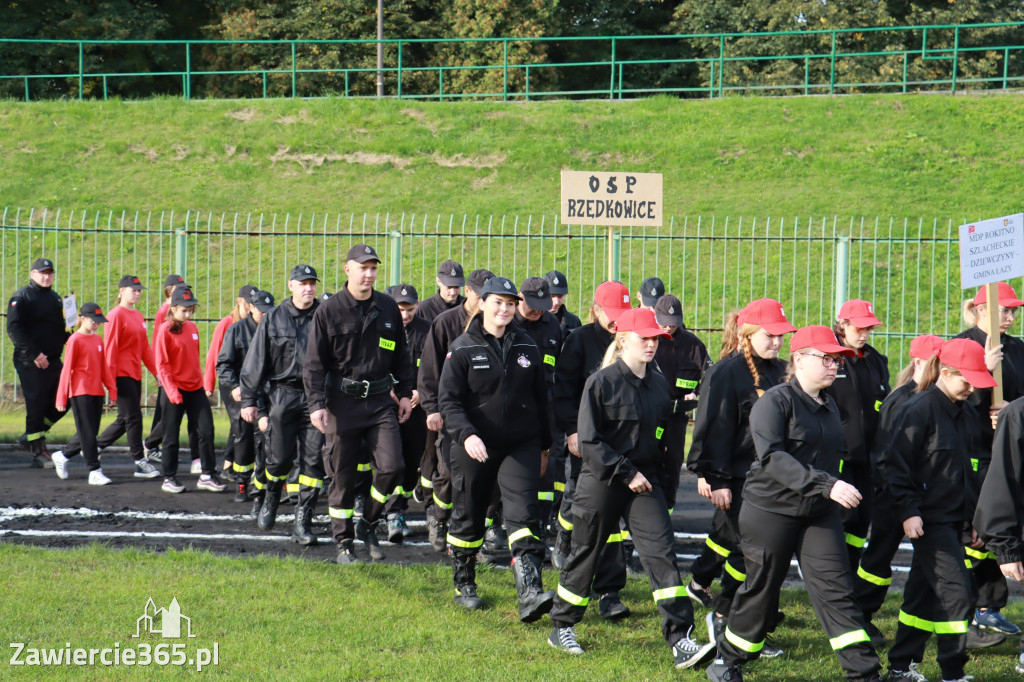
x=85 y=370
x=210 y=371
x=127 y=343
x=177 y=360
x=158 y=321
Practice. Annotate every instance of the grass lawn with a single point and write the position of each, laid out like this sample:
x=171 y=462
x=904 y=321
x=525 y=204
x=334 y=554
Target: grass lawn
x=12 y=425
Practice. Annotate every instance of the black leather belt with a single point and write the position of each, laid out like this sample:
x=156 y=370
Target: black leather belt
x=361 y=389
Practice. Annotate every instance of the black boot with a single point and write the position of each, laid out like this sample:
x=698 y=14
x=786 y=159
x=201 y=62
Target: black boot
x=302 y=531
x=563 y=543
x=464 y=577
x=257 y=503
x=437 y=533
x=40 y=455
x=268 y=512
x=533 y=601
x=346 y=553
x=367 y=534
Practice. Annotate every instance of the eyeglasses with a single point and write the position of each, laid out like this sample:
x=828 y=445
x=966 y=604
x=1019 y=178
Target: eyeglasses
x=1008 y=312
x=827 y=361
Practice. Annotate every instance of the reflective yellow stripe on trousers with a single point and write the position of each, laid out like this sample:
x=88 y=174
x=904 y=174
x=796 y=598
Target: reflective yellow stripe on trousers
x=743 y=644
x=872 y=578
x=669 y=593
x=849 y=639
x=573 y=599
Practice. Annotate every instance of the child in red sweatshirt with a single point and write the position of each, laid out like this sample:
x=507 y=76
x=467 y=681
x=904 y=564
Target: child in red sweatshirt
x=82 y=379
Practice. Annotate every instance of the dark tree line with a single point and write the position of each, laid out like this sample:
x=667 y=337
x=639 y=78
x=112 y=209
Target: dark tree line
x=683 y=63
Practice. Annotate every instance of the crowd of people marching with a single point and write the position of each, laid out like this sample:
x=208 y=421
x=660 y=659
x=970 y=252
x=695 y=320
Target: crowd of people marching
x=527 y=432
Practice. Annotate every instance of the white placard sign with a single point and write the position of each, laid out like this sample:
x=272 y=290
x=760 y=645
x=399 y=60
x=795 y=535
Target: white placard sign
x=70 y=311
x=991 y=251
x=616 y=199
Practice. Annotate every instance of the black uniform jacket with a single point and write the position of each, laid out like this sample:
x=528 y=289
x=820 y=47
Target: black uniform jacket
x=237 y=340
x=416 y=335
x=568 y=321
x=1001 y=503
x=277 y=350
x=500 y=397
x=929 y=464
x=722 y=448
x=683 y=359
x=434 y=306
x=346 y=344
x=445 y=328
x=581 y=356
x=861 y=384
x=892 y=408
x=1013 y=379
x=621 y=420
x=547 y=334
x=799 y=444
x=35 y=323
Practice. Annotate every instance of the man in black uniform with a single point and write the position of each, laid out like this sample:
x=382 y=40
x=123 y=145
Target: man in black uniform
x=35 y=323
x=356 y=356
x=414 y=429
x=650 y=291
x=276 y=355
x=445 y=328
x=559 y=287
x=449 y=281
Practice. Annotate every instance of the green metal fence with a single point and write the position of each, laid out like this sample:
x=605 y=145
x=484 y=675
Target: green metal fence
x=910 y=270
x=874 y=59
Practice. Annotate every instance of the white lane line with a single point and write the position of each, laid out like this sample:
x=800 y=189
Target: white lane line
x=166 y=536
x=12 y=513
x=905 y=546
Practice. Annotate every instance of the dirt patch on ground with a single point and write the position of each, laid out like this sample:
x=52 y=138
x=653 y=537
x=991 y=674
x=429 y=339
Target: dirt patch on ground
x=481 y=183
x=421 y=118
x=144 y=151
x=180 y=152
x=302 y=117
x=244 y=115
x=310 y=162
x=463 y=161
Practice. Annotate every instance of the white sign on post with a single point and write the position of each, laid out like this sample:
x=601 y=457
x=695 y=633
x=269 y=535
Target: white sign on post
x=611 y=199
x=991 y=251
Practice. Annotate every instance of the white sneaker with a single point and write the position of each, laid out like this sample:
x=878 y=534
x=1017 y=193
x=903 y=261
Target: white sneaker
x=197 y=467
x=60 y=464
x=144 y=469
x=97 y=477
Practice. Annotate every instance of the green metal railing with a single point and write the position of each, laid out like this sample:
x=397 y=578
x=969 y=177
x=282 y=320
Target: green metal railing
x=878 y=59
x=908 y=269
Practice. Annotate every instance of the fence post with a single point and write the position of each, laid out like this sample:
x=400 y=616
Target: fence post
x=614 y=253
x=181 y=252
x=842 y=269
x=395 y=258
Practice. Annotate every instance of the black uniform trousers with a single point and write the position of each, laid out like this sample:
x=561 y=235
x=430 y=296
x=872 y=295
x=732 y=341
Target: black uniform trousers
x=87 y=410
x=516 y=471
x=857 y=520
x=936 y=600
x=553 y=480
x=597 y=509
x=674 y=440
x=441 y=479
x=39 y=386
x=414 y=439
x=352 y=425
x=232 y=407
x=874 y=574
x=129 y=420
x=611 y=566
x=428 y=463
x=241 y=448
x=293 y=438
x=156 y=434
x=722 y=550
x=769 y=541
x=196 y=406
x=992 y=591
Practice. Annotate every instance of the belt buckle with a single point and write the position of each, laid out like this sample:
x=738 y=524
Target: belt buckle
x=366 y=389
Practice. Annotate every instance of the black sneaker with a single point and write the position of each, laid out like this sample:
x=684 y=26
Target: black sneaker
x=437 y=533
x=396 y=528
x=346 y=553
x=242 y=493
x=769 y=650
x=611 y=607
x=367 y=534
x=564 y=639
x=702 y=595
x=983 y=639
x=689 y=652
x=718 y=671
x=911 y=674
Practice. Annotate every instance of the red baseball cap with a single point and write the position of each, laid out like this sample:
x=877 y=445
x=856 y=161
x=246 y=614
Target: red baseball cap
x=613 y=297
x=767 y=313
x=968 y=357
x=820 y=338
x=643 y=321
x=1007 y=296
x=860 y=313
x=925 y=346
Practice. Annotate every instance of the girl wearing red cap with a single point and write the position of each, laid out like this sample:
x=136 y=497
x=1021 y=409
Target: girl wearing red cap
x=82 y=378
x=621 y=421
x=722 y=450
x=874 y=574
x=931 y=467
x=791 y=503
x=991 y=586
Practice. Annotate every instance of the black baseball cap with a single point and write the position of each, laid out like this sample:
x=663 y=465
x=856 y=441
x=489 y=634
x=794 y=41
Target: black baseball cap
x=477 y=279
x=324 y=296
x=182 y=295
x=536 y=292
x=245 y=293
x=361 y=253
x=406 y=293
x=669 y=311
x=42 y=264
x=130 y=282
x=557 y=283
x=451 y=275
x=498 y=285
x=300 y=273
x=263 y=300
x=651 y=290
x=174 y=280
x=93 y=312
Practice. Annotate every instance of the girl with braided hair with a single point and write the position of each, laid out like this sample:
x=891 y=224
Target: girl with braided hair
x=722 y=449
